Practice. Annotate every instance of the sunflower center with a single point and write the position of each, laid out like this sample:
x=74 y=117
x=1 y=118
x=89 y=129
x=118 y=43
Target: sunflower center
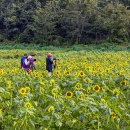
x=96 y=88
x=68 y=94
x=23 y=91
x=123 y=83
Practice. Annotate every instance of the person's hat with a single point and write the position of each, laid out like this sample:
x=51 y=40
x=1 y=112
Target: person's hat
x=29 y=57
x=49 y=54
x=26 y=54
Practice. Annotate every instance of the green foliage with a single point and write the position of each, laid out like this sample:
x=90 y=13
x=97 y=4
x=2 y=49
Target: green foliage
x=88 y=90
x=117 y=20
x=104 y=46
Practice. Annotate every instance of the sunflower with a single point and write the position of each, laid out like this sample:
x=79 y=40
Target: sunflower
x=103 y=100
x=66 y=72
x=82 y=96
x=116 y=91
x=1 y=72
x=78 y=86
x=121 y=73
x=100 y=74
x=88 y=89
x=23 y=91
x=51 y=109
x=28 y=105
x=97 y=65
x=1 y=111
x=59 y=76
x=9 y=83
x=52 y=82
x=27 y=89
x=42 y=90
x=42 y=83
x=69 y=95
x=96 y=88
x=54 y=91
x=57 y=72
x=123 y=83
x=113 y=115
x=87 y=80
x=94 y=68
x=81 y=74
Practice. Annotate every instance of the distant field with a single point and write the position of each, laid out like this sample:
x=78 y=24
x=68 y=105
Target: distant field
x=89 y=90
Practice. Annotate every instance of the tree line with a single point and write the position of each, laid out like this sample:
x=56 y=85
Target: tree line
x=60 y=21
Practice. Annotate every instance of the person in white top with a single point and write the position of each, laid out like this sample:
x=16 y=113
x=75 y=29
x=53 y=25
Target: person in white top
x=27 y=63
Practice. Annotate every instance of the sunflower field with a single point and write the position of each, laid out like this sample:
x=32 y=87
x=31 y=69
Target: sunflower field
x=87 y=91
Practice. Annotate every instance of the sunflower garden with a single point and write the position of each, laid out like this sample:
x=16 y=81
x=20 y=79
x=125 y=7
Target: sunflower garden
x=87 y=91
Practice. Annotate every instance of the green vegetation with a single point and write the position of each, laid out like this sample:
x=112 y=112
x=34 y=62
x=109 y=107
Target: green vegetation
x=88 y=47
x=88 y=90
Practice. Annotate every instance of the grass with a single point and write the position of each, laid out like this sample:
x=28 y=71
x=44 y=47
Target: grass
x=77 y=47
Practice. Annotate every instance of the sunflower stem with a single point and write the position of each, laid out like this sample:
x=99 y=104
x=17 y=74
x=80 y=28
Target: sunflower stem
x=11 y=98
x=98 y=122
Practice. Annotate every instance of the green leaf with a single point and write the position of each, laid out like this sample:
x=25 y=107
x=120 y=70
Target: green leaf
x=2 y=90
x=46 y=118
x=94 y=109
x=56 y=116
x=93 y=121
x=58 y=123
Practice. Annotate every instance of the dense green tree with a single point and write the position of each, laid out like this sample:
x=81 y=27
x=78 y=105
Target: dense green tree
x=46 y=21
x=116 y=20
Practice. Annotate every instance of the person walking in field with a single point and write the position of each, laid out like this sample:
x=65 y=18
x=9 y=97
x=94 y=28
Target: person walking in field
x=26 y=64
x=49 y=63
x=23 y=59
x=29 y=64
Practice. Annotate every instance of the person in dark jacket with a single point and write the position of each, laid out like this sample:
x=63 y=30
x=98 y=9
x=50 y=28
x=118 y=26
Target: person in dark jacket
x=23 y=59
x=49 y=63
